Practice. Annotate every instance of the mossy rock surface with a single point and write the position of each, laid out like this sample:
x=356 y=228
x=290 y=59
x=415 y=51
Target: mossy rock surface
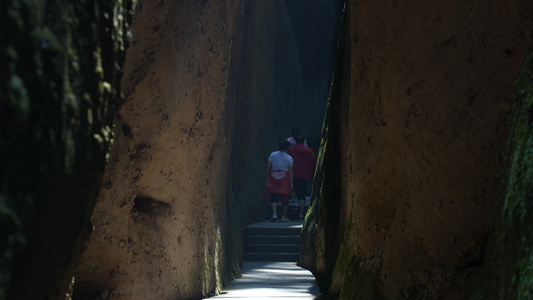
x=508 y=272
x=59 y=93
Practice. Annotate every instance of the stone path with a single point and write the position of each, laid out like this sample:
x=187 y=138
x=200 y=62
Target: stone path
x=272 y=280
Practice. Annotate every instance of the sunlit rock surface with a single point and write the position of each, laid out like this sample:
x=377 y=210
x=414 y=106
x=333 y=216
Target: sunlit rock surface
x=159 y=221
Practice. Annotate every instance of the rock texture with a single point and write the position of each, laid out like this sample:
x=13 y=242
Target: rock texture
x=507 y=273
x=418 y=119
x=211 y=87
x=60 y=82
x=160 y=218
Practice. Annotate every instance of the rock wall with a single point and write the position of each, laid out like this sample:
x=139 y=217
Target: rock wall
x=507 y=273
x=421 y=103
x=159 y=222
x=60 y=82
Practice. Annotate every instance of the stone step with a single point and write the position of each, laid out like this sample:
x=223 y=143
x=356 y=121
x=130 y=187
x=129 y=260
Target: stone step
x=272 y=241
x=293 y=216
x=282 y=239
x=282 y=257
x=271 y=248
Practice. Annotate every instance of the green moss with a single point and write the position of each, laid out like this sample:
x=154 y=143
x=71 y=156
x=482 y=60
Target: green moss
x=360 y=283
x=508 y=273
x=18 y=97
x=52 y=164
x=523 y=279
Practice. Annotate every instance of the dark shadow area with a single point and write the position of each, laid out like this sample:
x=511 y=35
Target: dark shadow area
x=150 y=206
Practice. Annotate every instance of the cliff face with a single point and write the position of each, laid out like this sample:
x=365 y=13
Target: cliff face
x=60 y=82
x=421 y=103
x=212 y=87
x=160 y=218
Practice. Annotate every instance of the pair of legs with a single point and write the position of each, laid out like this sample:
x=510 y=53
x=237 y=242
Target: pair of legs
x=300 y=188
x=274 y=198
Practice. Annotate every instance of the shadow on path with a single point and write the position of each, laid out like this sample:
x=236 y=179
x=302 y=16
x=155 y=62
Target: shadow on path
x=272 y=280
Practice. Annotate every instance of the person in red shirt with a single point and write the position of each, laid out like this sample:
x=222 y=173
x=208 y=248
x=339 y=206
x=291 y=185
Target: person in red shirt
x=304 y=162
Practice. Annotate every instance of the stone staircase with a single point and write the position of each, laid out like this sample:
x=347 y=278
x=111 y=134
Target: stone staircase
x=272 y=241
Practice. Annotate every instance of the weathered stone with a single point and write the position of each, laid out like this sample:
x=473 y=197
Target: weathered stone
x=422 y=113
x=60 y=81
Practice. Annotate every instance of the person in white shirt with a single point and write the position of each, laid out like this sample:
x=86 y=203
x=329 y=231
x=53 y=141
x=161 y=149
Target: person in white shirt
x=279 y=180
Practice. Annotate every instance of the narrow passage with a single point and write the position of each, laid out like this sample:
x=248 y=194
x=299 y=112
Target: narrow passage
x=272 y=279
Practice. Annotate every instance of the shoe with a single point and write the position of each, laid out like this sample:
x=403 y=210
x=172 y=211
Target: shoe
x=273 y=219
x=284 y=219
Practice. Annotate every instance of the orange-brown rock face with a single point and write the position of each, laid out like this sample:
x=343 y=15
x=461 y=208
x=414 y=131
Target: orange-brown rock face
x=158 y=223
x=425 y=101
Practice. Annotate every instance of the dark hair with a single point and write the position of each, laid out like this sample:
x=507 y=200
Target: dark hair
x=299 y=139
x=295 y=131
x=284 y=145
